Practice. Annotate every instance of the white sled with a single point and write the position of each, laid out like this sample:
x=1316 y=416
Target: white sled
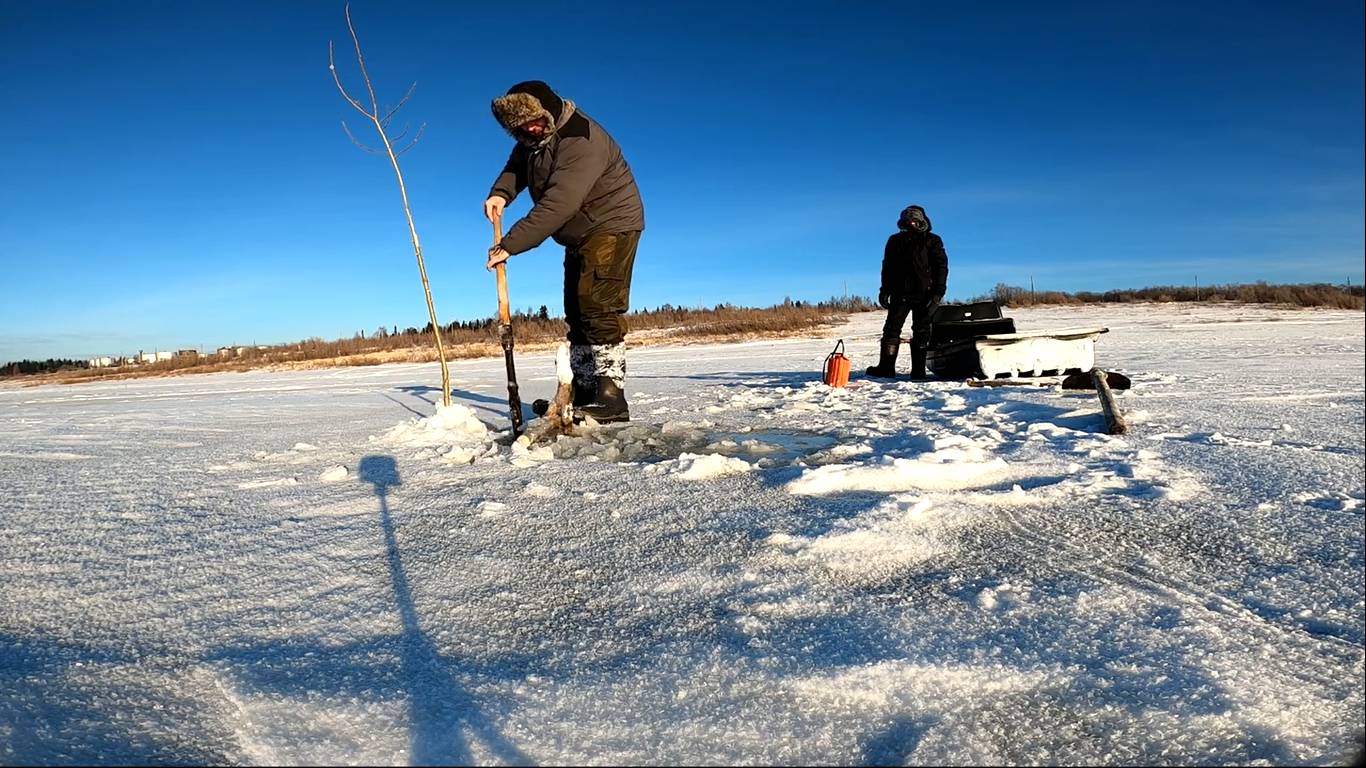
x=976 y=341
x=1037 y=353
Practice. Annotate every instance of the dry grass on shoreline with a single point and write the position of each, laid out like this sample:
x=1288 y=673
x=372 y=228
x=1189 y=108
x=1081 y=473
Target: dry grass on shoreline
x=1299 y=296
x=729 y=324
x=666 y=325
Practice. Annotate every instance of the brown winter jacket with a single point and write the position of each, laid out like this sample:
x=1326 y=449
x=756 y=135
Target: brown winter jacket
x=579 y=181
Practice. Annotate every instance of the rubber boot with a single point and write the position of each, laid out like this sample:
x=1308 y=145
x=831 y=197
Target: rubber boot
x=608 y=404
x=918 y=364
x=886 y=364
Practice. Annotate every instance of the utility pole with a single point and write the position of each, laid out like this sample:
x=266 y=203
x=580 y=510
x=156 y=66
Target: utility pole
x=1031 y=290
x=1197 y=287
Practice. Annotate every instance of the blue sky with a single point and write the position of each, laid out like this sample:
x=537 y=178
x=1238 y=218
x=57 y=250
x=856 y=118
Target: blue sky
x=175 y=174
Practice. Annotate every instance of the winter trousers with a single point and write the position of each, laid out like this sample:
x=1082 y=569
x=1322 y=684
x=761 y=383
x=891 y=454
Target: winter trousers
x=597 y=293
x=597 y=287
x=919 y=311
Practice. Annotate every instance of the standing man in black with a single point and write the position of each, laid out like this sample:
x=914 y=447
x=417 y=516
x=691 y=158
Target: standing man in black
x=915 y=273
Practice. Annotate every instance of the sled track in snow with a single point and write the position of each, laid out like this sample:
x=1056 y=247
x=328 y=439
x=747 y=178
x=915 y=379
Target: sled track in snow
x=1230 y=617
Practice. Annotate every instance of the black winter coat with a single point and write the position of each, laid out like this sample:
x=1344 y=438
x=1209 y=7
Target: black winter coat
x=914 y=267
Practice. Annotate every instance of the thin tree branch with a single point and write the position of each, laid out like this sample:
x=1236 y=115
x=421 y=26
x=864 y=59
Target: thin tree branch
x=420 y=129
x=332 y=65
x=373 y=115
x=355 y=141
x=360 y=59
x=400 y=103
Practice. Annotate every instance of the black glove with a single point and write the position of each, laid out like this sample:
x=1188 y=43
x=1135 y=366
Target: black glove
x=884 y=300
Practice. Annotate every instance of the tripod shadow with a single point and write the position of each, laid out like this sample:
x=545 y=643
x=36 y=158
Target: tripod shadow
x=441 y=710
x=445 y=719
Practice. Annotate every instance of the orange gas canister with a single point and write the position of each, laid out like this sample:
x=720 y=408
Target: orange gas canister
x=837 y=366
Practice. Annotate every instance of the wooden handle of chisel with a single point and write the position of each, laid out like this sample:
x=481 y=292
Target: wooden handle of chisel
x=504 y=311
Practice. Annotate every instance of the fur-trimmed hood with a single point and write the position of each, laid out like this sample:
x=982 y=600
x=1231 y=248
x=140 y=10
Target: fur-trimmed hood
x=529 y=101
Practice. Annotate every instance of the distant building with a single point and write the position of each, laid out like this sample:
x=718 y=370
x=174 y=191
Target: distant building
x=101 y=362
x=190 y=353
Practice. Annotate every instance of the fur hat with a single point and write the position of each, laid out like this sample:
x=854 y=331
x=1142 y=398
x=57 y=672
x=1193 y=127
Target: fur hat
x=525 y=102
x=911 y=214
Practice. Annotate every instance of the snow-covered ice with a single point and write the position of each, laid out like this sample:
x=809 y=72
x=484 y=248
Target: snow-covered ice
x=325 y=567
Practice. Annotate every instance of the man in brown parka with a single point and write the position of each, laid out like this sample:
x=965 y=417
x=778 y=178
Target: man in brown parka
x=585 y=197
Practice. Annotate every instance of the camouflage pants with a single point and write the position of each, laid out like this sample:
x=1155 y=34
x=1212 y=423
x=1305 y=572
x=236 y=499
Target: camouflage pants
x=597 y=287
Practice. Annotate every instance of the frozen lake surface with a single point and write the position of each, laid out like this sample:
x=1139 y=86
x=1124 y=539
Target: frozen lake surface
x=302 y=567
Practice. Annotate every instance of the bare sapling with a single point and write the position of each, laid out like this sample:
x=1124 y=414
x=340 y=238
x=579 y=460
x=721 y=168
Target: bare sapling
x=381 y=123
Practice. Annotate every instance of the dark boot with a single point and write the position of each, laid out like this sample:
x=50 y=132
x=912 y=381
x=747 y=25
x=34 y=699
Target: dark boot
x=886 y=363
x=918 y=364
x=608 y=405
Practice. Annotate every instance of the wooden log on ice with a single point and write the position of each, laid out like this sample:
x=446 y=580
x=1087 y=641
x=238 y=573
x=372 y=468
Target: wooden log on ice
x=559 y=417
x=1115 y=379
x=1114 y=418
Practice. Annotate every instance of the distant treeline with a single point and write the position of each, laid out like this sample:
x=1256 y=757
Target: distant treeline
x=682 y=321
x=26 y=367
x=476 y=338
x=1302 y=295
x=539 y=326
